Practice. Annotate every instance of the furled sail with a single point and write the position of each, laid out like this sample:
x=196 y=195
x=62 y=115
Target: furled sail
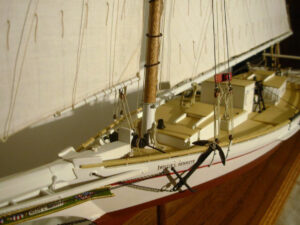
x=55 y=53
x=188 y=36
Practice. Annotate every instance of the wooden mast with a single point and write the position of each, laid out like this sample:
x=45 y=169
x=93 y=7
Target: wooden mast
x=153 y=47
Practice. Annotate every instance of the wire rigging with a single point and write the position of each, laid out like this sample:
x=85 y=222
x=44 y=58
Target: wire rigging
x=226 y=33
x=83 y=21
x=216 y=114
x=19 y=64
x=222 y=92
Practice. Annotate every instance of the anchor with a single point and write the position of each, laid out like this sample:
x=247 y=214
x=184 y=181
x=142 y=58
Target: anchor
x=213 y=146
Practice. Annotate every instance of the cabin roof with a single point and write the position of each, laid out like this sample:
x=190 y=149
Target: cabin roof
x=235 y=82
x=275 y=82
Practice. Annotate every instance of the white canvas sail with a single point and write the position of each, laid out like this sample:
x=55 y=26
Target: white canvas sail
x=56 y=53
x=187 y=46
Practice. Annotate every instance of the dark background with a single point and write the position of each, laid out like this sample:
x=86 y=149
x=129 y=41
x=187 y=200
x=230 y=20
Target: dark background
x=290 y=46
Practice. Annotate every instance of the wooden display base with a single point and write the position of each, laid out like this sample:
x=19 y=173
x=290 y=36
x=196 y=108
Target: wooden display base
x=255 y=194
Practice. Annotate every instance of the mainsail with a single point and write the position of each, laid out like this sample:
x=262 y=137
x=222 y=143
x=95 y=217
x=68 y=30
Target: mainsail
x=187 y=46
x=56 y=53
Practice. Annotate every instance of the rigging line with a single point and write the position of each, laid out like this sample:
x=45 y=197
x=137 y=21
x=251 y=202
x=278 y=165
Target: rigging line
x=226 y=32
x=179 y=53
x=142 y=187
x=173 y=7
x=146 y=188
x=231 y=114
x=7 y=34
x=141 y=37
x=162 y=42
x=268 y=14
x=169 y=42
x=214 y=39
x=14 y=92
x=143 y=22
x=106 y=46
x=202 y=39
x=107 y=5
x=214 y=45
x=224 y=57
x=123 y=10
x=36 y=26
x=15 y=72
x=62 y=24
x=115 y=104
x=217 y=87
x=282 y=99
x=87 y=14
x=194 y=49
x=132 y=57
x=200 y=8
x=126 y=114
x=114 y=44
x=128 y=111
x=125 y=111
x=228 y=97
x=110 y=44
x=218 y=35
x=248 y=12
x=79 y=49
x=138 y=91
x=228 y=27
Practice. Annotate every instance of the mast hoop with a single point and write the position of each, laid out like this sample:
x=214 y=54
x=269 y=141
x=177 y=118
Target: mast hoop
x=151 y=65
x=154 y=36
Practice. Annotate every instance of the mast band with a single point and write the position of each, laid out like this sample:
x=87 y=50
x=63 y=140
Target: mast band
x=154 y=36
x=150 y=65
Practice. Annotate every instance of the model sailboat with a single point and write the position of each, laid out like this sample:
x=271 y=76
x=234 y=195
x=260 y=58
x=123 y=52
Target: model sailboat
x=50 y=66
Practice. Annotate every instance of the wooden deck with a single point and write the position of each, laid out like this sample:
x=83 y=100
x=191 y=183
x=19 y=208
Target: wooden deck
x=257 y=124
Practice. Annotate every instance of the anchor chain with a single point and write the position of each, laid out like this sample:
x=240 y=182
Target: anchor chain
x=146 y=188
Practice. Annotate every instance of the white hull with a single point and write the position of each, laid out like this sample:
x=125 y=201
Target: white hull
x=125 y=196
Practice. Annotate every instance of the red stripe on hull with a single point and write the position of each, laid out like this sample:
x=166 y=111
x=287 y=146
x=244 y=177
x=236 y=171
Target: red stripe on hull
x=181 y=171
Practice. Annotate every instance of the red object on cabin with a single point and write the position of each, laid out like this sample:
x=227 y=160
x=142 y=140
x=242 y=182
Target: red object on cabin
x=222 y=77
